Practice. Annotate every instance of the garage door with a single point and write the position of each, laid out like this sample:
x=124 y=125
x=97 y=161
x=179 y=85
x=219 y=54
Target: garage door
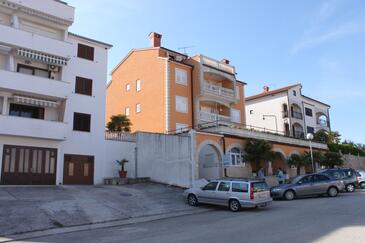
x=78 y=170
x=23 y=165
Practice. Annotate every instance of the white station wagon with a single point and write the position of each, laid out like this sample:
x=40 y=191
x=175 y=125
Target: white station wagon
x=234 y=193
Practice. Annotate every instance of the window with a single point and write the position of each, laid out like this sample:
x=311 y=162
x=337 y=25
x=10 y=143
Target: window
x=237 y=92
x=294 y=92
x=308 y=112
x=126 y=112
x=319 y=178
x=181 y=76
x=26 y=111
x=181 y=104
x=310 y=129
x=224 y=186
x=86 y=52
x=44 y=73
x=82 y=122
x=138 y=108
x=259 y=186
x=239 y=187
x=211 y=186
x=236 y=156
x=251 y=112
x=236 y=115
x=138 y=85
x=127 y=87
x=83 y=86
x=306 y=179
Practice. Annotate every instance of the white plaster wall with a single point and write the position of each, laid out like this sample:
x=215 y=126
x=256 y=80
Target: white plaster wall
x=116 y=150
x=3 y=61
x=268 y=105
x=164 y=158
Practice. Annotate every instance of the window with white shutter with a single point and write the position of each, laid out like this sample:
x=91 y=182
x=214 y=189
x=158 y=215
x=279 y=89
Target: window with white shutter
x=181 y=104
x=181 y=76
x=138 y=108
x=236 y=115
x=127 y=111
x=138 y=85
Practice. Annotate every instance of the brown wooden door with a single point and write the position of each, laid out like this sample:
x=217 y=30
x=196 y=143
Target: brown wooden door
x=24 y=165
x=78 y=170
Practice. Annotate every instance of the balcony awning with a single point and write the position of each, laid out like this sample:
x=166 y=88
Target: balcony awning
x=37 y=56
x=35 y=101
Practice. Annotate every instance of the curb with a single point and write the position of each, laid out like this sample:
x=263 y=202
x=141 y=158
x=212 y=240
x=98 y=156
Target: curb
x=71 y=229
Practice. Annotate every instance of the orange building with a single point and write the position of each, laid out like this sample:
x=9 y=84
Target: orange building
x=165 y=91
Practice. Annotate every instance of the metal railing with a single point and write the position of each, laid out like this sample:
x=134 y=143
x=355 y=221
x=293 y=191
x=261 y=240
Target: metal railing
x=121 y=136
x=217 y=64
x=211 y=117
x=297 y=115
x=217 y=90
x=299 y=134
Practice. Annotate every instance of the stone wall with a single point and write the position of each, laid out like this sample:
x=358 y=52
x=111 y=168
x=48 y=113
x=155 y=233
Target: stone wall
x=353 y=161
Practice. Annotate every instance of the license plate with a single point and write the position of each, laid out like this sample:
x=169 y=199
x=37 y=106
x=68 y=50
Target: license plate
x=262 y=195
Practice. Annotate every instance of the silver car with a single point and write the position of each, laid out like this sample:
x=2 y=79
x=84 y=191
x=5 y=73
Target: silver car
x=308 y=185
x=234 y=193
x=361 y=178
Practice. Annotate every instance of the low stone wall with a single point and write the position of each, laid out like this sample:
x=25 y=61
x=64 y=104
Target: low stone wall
x=353 y=161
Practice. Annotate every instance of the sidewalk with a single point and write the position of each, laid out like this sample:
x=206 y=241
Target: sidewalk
x=28 y=209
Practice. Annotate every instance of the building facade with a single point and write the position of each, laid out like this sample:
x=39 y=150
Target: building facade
x=163 y=91
x=291 y=113
x=52 y=96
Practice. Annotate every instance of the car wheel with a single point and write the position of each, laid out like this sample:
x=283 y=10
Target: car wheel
x=332 y=192
x=362 y=185
x=350 y=188
x=234 y=205
x=192 y=200
x=289 y=195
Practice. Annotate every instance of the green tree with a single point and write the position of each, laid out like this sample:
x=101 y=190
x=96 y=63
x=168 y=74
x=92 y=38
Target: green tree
x=332 y=159
x=257 y=150
x=298 y=160
x=119 y=123
x=321 y=136
x=333 y=137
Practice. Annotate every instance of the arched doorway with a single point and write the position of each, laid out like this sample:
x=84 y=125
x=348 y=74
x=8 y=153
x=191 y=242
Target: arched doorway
x=298 y=131
x=279 y=161
x=210 y=162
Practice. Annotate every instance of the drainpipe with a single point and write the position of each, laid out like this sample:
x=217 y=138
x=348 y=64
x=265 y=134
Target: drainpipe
x=192 y=158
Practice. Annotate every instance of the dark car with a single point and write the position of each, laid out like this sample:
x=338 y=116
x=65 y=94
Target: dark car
x=349 y=177
x=308 y=185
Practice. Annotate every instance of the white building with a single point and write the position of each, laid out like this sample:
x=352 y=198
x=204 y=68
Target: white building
x=286 y=111
x=52 y=96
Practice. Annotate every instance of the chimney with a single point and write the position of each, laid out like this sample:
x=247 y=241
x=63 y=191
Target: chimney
x=155 y=39
x=266 y=89
x=225 y=61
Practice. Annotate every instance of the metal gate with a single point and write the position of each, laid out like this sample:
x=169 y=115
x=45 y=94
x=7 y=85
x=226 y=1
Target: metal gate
x=23 y=165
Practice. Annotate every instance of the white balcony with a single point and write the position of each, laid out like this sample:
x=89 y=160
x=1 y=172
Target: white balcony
x=218 y=92
x=217 y=64
x=207 y=117
x=14 y=81
x=33 y=128
x=20 y=38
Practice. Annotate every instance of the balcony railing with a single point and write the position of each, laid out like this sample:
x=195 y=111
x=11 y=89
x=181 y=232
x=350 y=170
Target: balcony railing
x=297 y=115
x=219 y=91
x=213 y=117
x=217 y=64
x=299 y=134
x=121 y=136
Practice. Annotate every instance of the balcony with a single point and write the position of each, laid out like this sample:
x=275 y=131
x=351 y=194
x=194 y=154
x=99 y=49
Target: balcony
x=33 y=128
x=218 y=91
x=209 y=117
x=16 y=37
x=297 y=115
x=14 y=81
x=217 y=64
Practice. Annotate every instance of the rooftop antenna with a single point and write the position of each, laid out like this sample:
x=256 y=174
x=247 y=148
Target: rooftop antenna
x=185 y=48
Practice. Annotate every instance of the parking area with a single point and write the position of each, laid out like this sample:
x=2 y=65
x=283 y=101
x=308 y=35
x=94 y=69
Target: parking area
x=24 y=209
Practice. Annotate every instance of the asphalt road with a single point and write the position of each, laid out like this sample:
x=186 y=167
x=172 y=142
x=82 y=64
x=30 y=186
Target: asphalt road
x=322 y=219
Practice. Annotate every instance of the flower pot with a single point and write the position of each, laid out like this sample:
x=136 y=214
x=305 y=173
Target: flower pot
x=122 y=174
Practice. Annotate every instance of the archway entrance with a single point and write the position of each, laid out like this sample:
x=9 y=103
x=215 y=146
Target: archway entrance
x=210 y=162
x=279 y=161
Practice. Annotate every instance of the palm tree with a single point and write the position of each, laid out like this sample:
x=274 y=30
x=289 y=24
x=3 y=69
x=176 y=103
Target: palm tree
x=119 y=123
x=333 y=137
x=298 y=160
x=331 y=159
x=257 y=150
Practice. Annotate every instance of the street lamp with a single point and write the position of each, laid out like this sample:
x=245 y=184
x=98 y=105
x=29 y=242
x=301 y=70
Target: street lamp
x=276 y=120
x=310 y=138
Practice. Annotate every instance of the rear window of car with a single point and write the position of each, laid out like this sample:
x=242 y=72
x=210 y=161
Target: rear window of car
x=239 y=187
x=259 y=186
x=224 y=186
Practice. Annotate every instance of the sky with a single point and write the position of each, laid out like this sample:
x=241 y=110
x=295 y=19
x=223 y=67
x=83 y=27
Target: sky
x=319 y=43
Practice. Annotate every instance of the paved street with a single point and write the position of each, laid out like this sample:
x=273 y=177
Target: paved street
x=340 y=219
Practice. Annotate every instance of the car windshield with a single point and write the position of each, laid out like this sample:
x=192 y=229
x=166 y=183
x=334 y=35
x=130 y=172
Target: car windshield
x=294 y=180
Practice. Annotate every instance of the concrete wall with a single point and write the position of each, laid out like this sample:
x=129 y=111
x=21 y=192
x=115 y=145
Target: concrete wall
x=164 y=158
x=117 y=150
x=353 y=161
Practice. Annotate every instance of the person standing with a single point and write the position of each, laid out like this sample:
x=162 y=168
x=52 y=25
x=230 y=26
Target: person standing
x=280 y=176
x=261 y=174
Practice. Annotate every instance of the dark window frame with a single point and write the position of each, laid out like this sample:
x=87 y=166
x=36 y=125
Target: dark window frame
x=310 y=129
x=83 y=86
x=32 y=109
x=85 y=52
x=308 y=112
x=33 y=69
x=82 y=122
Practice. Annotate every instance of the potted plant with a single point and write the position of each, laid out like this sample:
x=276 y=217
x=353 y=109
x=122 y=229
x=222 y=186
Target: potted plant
x=122 y=172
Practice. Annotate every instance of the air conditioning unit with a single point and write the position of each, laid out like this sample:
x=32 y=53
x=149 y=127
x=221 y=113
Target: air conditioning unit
x=53 y=68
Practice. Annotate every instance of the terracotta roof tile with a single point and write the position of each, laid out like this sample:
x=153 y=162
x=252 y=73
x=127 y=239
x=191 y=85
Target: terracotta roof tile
x=272 y=92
